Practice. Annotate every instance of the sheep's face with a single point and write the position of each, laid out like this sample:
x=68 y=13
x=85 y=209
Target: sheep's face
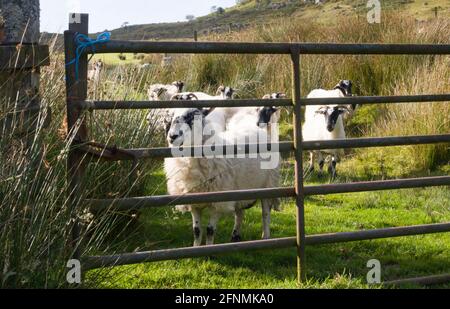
x=346 y=87
x=226 y=92
x=274 y=96
x=164 y=92
x=186 y=125
x=332 y=115
x=268 y=115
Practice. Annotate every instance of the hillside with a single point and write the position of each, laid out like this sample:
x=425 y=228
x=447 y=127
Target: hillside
x=252 y=12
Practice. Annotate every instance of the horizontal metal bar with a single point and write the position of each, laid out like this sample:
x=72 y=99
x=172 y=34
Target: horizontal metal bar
x=191 y=252
x=117 y=46
x=378 y=185
x=23 y=56
x=165 y=152
x=376 y=142
x=427 y=280
x=377 y=99
x=130 y=203
x=108 y=105
x=201 y=151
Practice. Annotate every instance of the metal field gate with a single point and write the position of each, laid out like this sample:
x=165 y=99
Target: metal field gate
x=77 y=103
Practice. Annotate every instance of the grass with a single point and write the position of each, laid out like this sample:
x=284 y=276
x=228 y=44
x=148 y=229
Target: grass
x=328 y=266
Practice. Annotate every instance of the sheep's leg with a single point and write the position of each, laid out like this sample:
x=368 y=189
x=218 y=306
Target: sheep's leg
x=212 y=227
x=321 y=163
x=238 y=218
x=311 y=162
x=197 y=226
x=266 y=218
x=332 y=168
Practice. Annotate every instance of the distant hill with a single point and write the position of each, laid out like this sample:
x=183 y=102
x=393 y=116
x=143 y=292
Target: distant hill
x=251 y=12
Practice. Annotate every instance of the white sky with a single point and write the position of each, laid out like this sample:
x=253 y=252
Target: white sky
x=111 y=14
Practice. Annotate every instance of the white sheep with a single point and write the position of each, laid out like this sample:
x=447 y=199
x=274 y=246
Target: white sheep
x=161 y=92
x=326 y=123
x=218 y=173
x=95 y=73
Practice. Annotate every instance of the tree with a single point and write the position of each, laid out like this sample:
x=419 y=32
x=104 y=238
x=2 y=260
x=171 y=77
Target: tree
x=125 y=24
x=214 y=9
x=190 y=17
x=220 y=10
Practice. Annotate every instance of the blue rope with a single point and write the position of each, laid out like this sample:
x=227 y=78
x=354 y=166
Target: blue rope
x=83 y=41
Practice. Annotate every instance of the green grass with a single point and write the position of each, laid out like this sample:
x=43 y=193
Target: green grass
x=328 y=266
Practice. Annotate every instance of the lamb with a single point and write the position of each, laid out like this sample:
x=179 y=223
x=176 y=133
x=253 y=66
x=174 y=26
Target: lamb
x=325 y=123
x=95 y=73
x=217 y=173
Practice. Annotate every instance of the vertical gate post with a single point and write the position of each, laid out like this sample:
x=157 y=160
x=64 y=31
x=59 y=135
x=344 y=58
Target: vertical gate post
x=300 y=197
x=76 y=91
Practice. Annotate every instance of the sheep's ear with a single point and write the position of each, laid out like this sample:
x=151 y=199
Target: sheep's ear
x=179 y=85
x=207 y=111
x=281 y=95
x=267 y=96
x=343 y=109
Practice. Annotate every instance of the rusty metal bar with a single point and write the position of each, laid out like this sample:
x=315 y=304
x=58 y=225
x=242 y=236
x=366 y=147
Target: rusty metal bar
x=427 y=280
x=376 y=142
x=117 y=46
x=130 y=203
x=298 y=171
x=199 y=151
x=288 y=242
x=377 y=99
x=23 y=56
x=378 y=185
x=110 y=105
x=122 y=204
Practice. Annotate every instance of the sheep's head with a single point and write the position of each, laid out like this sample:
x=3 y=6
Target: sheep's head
x=226 y=92
x=179 y=84
x=346 y=87
x=164 y=92
x=277 y=95
x=332 y=115
x=186 y=126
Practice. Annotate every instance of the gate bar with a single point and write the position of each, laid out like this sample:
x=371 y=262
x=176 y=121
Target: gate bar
x=118 y=46
x=122 y=204
x=164 y=152
x=298 y=171
x=109 y=105
x=428 y=280
x=277 y=243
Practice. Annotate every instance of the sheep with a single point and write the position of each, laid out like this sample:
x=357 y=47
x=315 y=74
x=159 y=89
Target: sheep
x=94 y=74
x=325 y=123
x=216 y=173
x=160 y=92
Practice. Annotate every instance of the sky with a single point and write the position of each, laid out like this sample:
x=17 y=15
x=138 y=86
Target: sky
x=111 y=14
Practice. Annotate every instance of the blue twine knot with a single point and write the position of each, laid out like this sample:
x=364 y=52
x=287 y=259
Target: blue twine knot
x=83 y=41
